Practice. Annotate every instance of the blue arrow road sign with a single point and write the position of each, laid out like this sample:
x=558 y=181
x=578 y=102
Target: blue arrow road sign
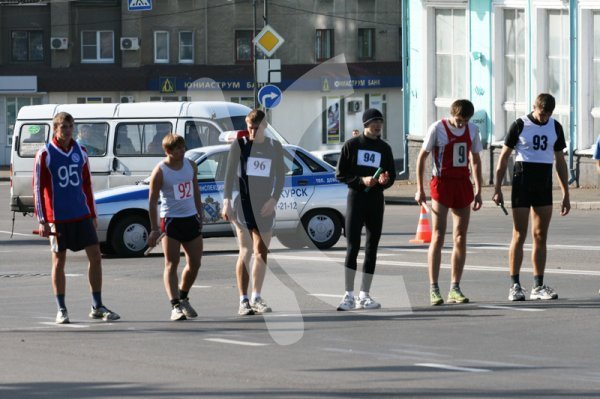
x=139 y=5
x=269 y=96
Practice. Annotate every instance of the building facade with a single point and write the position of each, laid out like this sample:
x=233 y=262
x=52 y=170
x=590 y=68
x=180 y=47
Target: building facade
x=338 y=58
x=500 y=54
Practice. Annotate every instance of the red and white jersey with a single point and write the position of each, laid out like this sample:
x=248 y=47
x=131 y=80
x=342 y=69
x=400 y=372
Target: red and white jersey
x=62 y=184
x=451 y=148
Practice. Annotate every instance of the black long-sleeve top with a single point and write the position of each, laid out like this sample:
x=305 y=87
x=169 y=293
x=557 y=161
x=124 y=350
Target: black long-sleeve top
x=360 y=157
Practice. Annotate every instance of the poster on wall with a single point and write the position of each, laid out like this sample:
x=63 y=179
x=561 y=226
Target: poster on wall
x=333 y=120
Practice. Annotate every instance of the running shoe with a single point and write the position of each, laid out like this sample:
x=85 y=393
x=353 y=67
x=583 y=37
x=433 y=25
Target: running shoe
x=62 y=317
x=348 y=303
x=456 y=296
x=245 y=308
x=516 y=293
x=187 y=309
x=177 y=313
x=435 y=298
x=543 y=292
x=260 y=306
x=367 y=303
x=104 y=313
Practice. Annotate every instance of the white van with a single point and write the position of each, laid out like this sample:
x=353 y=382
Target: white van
x=123 y=140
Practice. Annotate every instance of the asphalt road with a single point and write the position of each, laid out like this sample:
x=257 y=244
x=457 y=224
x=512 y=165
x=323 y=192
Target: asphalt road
x=488 y=348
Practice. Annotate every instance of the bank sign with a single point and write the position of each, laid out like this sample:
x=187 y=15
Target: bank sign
x=324 y=84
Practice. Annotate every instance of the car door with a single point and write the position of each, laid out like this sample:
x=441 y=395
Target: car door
x=211 y=175
x=297 y=190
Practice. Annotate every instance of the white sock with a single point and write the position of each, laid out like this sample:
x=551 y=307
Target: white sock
x=350 y=293
x=243 y=297
x=363 y=295
x=255 y=295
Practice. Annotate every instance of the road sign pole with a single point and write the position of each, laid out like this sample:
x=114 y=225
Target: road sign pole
x=255 y=84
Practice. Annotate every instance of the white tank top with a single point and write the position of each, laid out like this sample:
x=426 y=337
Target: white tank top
x=177 y=191
x=536 y=142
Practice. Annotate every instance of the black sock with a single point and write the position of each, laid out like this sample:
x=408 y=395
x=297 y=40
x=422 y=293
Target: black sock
x=515 y=279
x=435 y=286
x=183 y=294
x=538 y=281
x=174 y=302
x=454 y=286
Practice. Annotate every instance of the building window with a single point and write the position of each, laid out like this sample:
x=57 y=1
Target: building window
x=170 y=98
x=186 y=47
x=324 y=44
x=161 y=47
x=595 y=93
x=27 y=46
x=244 y=100
x=244 y=48
x=94 y=100
x=515 y=75
x=451 y=58
x=366 y=44
x=97 y=46
x=558 y=63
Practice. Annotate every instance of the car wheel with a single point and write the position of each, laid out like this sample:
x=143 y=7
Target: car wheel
x=130 y=235
x=292 y=241
x=323 y=228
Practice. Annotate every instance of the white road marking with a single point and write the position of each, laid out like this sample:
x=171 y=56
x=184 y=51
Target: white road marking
x=233 y=342
x=326 y=295
x=49 y=323
x=452 y=368
x=517 y=308
x=20 y=234
x=201 y=286
x=500 y=269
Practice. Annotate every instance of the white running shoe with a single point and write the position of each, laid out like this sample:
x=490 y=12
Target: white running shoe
x=516 y=293
x=177 y=313
x=187 y=309
x=62 y=317
x=348 y=303
x=543 y=292
x=367 y=303
x=104 y=313
x=259 y=306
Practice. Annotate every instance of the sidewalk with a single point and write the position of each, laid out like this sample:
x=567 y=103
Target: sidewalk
x=403 y=193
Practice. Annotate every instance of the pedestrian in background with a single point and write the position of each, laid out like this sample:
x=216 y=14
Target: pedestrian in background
x=361 y=158
x=66 y=211
x=538 y=141
x=455 y=144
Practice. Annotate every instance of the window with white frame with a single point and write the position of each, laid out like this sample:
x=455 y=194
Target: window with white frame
x=515 y=74
x=186 y=47
x=450 y=58
x=97 y=46
x=557 y=84
x=161 y=47
x=595 y=94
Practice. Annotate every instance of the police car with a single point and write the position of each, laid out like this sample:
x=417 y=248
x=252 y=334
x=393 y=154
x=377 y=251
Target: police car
x=310 y=211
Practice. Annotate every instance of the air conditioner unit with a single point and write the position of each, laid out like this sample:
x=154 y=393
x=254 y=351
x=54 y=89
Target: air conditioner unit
x=354 y=106
x=127 y=99
x=130 y=43
x=59 y=43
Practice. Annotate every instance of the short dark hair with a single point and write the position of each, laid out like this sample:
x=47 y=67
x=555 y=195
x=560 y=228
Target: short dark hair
x=545 y=102
x=256 y=116
x=463 y=108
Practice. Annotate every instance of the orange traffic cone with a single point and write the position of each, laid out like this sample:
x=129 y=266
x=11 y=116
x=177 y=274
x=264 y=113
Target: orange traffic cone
x=423 y=229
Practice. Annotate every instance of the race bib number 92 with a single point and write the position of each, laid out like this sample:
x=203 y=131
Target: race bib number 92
x=260 y=167
x=369 y=158
x=183 y=190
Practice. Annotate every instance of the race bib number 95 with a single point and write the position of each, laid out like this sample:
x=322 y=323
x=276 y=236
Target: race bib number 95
x=260 y=167
x=183 y=190
x=369 y=158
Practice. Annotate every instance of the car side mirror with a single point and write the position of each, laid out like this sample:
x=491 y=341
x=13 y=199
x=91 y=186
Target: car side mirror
x=115 y=164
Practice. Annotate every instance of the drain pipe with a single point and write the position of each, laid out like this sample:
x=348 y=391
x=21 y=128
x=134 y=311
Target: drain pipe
x=573 y=89
x=405 y=86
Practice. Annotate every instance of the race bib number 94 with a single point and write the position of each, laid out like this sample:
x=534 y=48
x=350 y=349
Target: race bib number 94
x=459 y=155
x=369 y=158
x=183 y=191
x=260 y=167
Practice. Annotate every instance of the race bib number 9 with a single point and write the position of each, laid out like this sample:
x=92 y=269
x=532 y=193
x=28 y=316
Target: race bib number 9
x=459 y=155
x=260 y=167
x=183 y=191
x=369 y=158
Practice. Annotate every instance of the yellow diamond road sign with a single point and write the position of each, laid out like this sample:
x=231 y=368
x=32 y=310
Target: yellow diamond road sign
x=268 y=40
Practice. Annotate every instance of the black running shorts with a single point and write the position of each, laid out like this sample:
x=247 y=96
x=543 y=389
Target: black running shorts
x=182 y=229
x=73 y=235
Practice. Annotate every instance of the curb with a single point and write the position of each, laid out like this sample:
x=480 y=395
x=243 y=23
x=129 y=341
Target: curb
x=581 y=205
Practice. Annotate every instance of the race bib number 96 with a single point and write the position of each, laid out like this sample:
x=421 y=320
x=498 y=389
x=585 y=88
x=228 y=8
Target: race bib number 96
x=369 y=158
x=260 y=167
x=183 y=190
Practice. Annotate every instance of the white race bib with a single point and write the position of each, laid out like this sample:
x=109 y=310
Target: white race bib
x=260 y=167
x=183 y=191
x=369 y=158
x=459 y=155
